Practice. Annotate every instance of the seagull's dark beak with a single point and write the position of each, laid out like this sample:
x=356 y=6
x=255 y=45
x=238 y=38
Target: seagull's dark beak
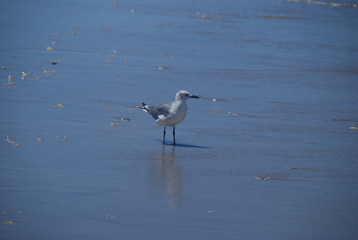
x=193 y=96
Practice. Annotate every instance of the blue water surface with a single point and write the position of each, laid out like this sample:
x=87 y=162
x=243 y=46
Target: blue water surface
x=269 y=151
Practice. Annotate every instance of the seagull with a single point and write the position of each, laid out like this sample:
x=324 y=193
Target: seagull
x=170 y=114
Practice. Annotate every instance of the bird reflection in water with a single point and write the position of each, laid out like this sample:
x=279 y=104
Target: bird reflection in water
x=168 y=176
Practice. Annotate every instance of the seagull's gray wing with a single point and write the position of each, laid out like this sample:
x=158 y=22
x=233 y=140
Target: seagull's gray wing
x=156 y=111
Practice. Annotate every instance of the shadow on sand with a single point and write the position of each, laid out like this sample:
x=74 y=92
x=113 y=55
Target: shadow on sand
x=181 y=144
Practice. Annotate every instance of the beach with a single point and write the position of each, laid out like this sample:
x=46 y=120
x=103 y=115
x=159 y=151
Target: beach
x=268 y=151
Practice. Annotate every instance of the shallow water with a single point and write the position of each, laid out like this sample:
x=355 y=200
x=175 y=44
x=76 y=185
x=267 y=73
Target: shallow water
x=269 y=151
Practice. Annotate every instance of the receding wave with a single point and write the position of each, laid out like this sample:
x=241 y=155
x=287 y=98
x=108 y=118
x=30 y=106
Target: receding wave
x=331 y=4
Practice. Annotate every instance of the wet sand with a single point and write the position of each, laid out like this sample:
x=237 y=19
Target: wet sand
x=269 y=151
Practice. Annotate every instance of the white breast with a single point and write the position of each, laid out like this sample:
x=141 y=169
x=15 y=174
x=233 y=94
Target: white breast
x=176 y=115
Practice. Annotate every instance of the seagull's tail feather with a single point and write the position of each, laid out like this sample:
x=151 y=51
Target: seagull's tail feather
x=153 y=111
x=145 y=107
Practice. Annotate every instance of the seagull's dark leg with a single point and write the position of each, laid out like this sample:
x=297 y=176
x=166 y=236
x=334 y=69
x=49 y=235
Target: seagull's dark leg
x=174 y=135
x=164 y=135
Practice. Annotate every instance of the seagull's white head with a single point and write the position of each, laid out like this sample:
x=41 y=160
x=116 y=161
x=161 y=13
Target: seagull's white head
x=184 y=95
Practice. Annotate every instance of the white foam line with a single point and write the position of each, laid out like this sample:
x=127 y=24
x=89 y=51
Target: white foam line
x=331 y=4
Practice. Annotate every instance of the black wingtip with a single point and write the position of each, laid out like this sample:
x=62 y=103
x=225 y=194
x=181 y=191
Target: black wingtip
x=144 y=106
